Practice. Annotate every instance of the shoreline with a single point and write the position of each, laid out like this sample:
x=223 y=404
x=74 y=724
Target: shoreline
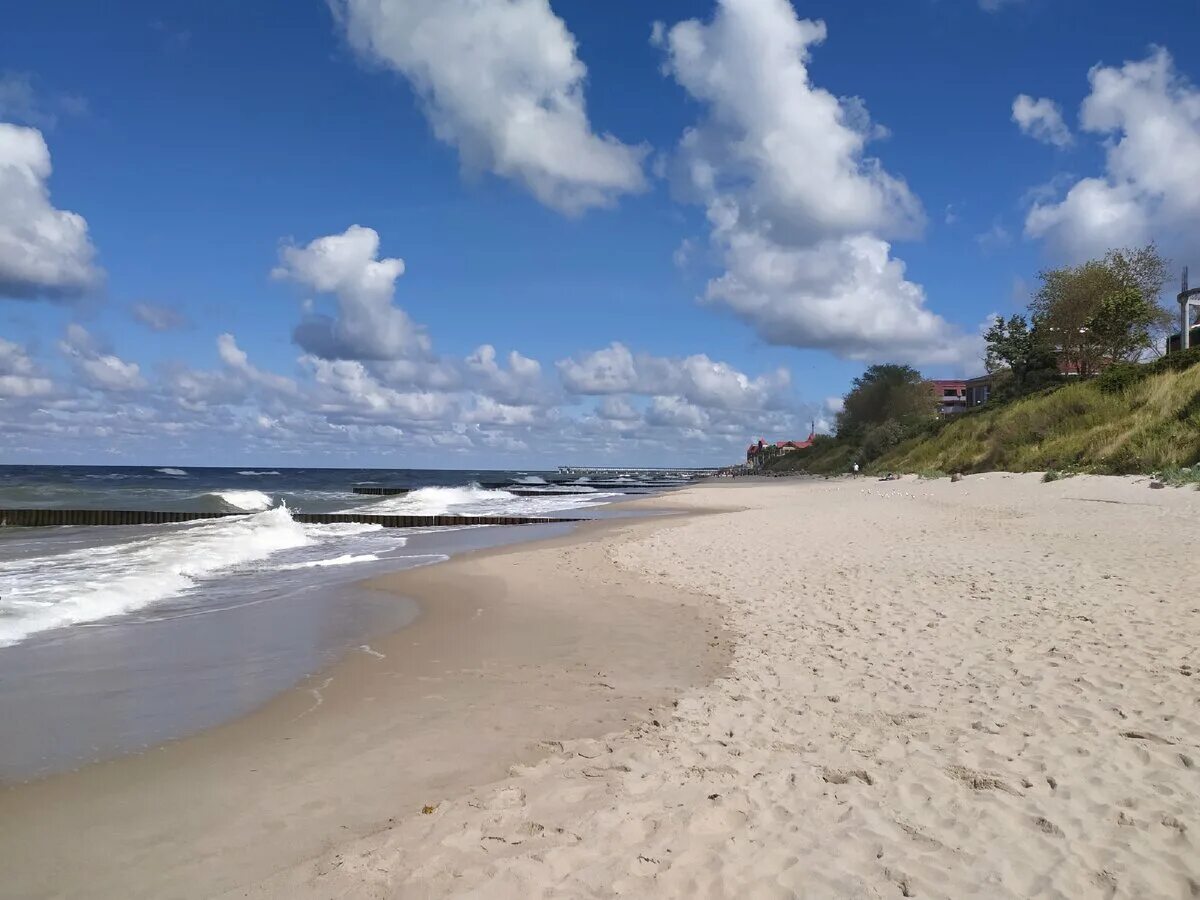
x=407 y=721
x=98 y=691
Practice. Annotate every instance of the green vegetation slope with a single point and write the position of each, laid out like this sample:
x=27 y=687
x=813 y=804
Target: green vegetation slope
x=1131 y=419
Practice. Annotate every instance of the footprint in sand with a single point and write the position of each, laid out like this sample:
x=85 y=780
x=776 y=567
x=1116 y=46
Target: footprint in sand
x=718 y=820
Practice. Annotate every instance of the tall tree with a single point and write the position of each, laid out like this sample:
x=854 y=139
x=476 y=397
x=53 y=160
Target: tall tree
x=1102 y=310
x=882 y=394
x=1023 y=351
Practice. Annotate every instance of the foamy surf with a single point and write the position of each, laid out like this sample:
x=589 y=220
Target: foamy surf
x=245 y=501
x=171 y=471
x=440 y=501
x=45 y=592
x=473 y=500
x=252 y=472
x=346 y=559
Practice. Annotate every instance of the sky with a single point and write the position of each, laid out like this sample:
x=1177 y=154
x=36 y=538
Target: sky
x=530 y=233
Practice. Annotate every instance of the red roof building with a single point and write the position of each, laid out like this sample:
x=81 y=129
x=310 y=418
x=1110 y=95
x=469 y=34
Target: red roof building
x=757 y=454
x=951 y=396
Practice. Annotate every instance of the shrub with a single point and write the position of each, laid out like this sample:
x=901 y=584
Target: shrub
x=1175 y=362
x=1181 y=476
x=880 y=438
x=1120 y=377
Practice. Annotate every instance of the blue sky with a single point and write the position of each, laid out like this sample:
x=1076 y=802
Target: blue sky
x=692 y=233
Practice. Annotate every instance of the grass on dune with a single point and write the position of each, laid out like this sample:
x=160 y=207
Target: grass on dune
x=1151 y=425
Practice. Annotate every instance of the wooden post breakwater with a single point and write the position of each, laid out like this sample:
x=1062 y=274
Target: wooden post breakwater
x=33 y=518
x=514 y=489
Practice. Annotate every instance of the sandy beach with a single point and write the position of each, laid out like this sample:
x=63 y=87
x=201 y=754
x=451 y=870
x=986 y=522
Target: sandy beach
x=844 y=688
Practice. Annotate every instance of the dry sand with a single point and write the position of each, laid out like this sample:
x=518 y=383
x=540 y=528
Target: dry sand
x=982 y=689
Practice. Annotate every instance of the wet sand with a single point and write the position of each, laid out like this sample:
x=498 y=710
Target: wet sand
x=513 y=650
x=92 y=692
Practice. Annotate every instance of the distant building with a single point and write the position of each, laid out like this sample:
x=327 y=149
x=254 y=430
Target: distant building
x=951 y=396
x=1193 y=339
x=977 y=391
x=758 y=455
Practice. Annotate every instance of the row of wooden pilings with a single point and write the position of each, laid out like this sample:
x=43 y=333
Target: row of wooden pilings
x=33 y=518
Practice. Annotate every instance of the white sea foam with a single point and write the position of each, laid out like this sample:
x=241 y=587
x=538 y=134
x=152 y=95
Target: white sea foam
x=347 y=529
x=560 y=488
x=85 y=585
x=473 y=500
x=531 y=479
x=169 y=471
x=346 y=559
x=250 y=501
x=440 y=501
x=252 y=472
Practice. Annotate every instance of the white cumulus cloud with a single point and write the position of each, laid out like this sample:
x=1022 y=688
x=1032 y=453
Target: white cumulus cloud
x=44 y=251
x=368 y=325
x=798 y=211
x=501 y=81
x=236 y=359
x=700 y=380
x=99 y=369
x=1041 y=119
x=675 y=412
x=19 y=377
x=617 y=409
x=1148 y=115
x=519 y=383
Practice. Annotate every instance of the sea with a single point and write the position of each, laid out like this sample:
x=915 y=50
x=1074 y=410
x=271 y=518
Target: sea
x=114 y=639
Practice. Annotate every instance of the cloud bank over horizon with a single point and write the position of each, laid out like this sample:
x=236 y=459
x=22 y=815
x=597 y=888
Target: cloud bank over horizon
x=369 y=376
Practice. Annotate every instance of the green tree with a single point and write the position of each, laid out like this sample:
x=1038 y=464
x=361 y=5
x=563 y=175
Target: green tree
x=885 y=394
x=1063 y=307
x=1022 y=351
x=1103 y=310
x=1141 y=268
x=1145 y=270
x=1121 y=325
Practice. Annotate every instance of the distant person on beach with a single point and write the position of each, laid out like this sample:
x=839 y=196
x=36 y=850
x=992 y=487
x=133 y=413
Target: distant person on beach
x=856 y=468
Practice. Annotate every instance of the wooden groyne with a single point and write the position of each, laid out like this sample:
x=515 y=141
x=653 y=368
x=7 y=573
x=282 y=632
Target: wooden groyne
x=515 y=490
x=35 y=518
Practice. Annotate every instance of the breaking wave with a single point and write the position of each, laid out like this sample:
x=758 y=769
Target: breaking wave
x=95 y=583
x=473 y=500
x=440 y=501
x=243 y=501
